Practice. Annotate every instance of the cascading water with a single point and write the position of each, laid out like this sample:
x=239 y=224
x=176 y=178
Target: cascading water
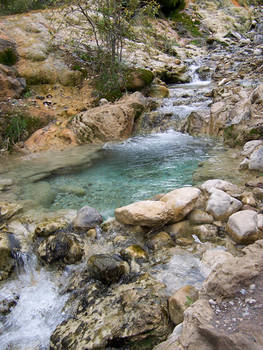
x=189 y=97
x=37 y=306
x=122 y=173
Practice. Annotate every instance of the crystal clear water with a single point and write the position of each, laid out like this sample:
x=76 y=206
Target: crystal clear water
x=136 y=169
x=182 y=269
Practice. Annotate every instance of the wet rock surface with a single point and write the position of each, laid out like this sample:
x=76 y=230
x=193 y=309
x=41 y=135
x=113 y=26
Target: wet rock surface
x=61 y=248
x=125 y=316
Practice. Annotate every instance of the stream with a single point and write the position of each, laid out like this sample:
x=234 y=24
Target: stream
x=118 y=174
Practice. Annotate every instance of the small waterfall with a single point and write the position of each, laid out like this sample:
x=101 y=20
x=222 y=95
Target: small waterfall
x=38 y=306
x=186 y=98
x=193 y=72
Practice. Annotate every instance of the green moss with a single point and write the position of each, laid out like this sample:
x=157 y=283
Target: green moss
x=231 y=136
x=8 y=57
x=137 y=79
x=187 y=22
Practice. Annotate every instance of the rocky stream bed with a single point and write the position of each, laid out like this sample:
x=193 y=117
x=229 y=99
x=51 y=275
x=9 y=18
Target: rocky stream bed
x=155 y=242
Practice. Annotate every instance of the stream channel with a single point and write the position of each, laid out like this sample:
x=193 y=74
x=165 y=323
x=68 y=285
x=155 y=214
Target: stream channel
x=116 y=175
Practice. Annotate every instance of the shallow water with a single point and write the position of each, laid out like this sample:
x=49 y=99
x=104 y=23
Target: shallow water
x=136 y=169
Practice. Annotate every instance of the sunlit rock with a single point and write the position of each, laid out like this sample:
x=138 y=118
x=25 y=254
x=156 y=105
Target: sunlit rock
x=243 y=227
x=221 y=205
x=181 y=201
x=144 y=213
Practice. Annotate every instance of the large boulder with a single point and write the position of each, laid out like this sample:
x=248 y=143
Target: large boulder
x=181 y=201
x=109 y=122
x=144 y=213
x=221 y=205
x=137 y=79
x=87 y=218
x=51 y=136
x=130 y=316
x=243 y=227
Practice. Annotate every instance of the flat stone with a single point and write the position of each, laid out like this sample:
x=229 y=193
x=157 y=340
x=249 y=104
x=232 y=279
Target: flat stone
x=160 y=240
x=144 y=213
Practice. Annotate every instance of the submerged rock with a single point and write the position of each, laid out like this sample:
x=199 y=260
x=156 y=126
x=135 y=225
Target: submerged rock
x=206 y=232
x=87 y=218
x=132 y=316
x=144 y=213
x=160 y=240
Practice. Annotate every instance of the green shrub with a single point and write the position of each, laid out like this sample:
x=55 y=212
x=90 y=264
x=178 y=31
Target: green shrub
x=168 y=6
x=17 y=128
x=8 y=57
x=19 y=6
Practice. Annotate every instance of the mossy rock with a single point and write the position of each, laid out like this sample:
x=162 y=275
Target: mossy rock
x=237 y=136
x=137 y=79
